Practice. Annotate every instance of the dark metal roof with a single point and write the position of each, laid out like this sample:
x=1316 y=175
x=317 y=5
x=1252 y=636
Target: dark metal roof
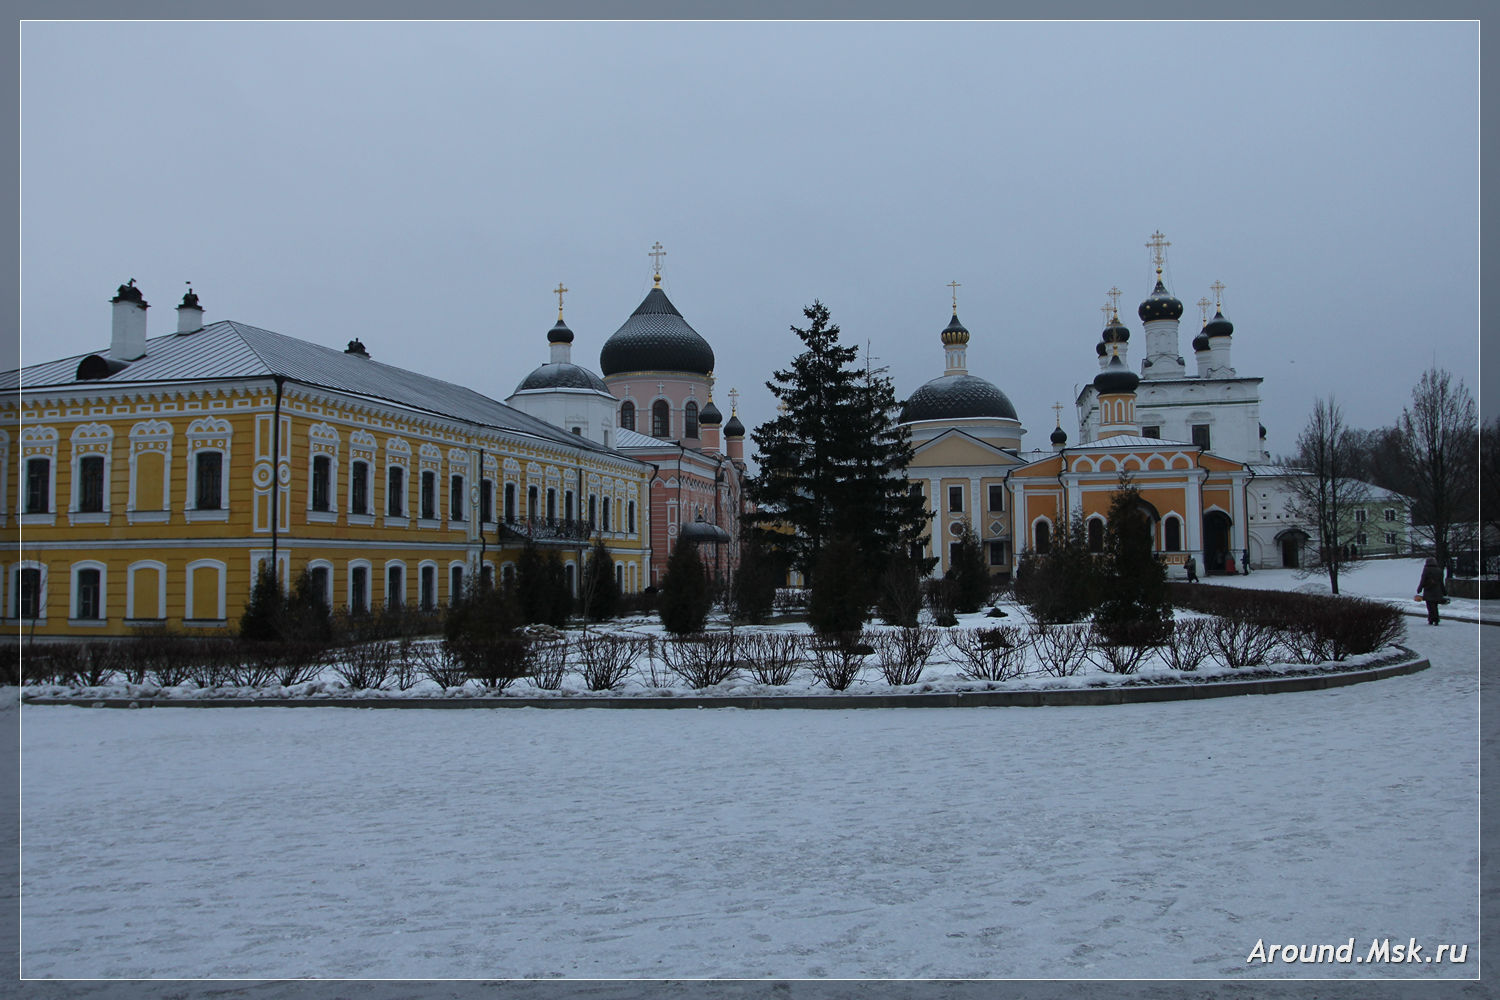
x=656 y=338
x=710 y=415
x=562 y=376
x=734 y=428
x=955 y=396
x=1116 y=377
x=230 y=350
x=701 y=532
x=1160 y=304
x=1219 y=326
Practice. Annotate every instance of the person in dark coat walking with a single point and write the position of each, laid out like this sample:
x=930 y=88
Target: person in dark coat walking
x=1430 y=589
x=1192 y=569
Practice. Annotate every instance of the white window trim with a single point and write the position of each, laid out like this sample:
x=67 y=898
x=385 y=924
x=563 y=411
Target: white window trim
x=160 y=568
x=463 y=568
x=204 y=435
x=349 y=569
x=153 y=437
x=323 y=440
x=324 y=564
x=190 y=614
x=422 y=567
x=15 y=590
x=369 y=463
x=49 y=516
x=385 y=581
x=73 y=571
x=90 y=440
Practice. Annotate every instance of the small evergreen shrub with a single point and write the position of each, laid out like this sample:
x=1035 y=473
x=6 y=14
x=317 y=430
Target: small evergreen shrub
x=685 y=596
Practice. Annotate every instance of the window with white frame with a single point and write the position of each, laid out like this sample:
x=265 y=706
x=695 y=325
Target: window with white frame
x=359 y=587
x=427 y=591
x=359 y=487
x=455 y=497
x=150 y=471
x=1359 y=515
x=1390 y=514
x=39 y=479
x=93 y=446
x=395 y=585
x=30 y=588
x=88 y=591
x=209 y=444
x=429 y=495
x=395 y=491
x=38 y=499
x=1390 y=538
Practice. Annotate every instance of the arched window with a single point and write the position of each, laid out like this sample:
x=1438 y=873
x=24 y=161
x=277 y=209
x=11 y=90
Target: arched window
x=627 y=415
x=1172 y=528
x=1096 y=534
x=661 y=423
x=593 y=510
x=1043 y=532
x=605 y=522
x=533 y=507
x=510 y=503
x=690 y=419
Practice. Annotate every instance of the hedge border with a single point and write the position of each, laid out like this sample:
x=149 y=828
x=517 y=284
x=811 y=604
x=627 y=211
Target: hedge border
x=1250 y=681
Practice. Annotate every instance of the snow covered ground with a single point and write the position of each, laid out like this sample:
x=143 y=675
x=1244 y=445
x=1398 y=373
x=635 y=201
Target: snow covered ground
x=1149 y=841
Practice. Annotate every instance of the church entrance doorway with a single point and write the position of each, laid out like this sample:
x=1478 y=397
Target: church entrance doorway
x=1292 y=543
x=1216 y=542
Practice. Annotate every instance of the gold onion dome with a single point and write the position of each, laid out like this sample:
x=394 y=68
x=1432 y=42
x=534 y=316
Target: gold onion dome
x=955 y=333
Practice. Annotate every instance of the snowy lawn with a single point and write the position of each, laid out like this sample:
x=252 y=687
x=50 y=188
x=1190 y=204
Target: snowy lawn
x=1126 y=841
x=1392 y=580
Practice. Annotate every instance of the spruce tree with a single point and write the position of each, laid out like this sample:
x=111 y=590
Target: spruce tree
x=969 y=574
x=600 y=594
x=841 y=590
x=1134 y=606
x=834 y=460
x=752 y=592
x=685 y=595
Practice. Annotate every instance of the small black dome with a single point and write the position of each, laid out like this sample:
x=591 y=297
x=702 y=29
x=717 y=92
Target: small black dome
x=1116 y=332
x=710 y=415
x=700 y=532
x=1116 y=378
x=734 y=428
x=1262 y=431
x=1219 y=326
x=656 y=338
x=955 y=332
x=952 y=397
x=1200 y=342
x=560 y=334
x=1161 y=304
x=129 y=293
x=562 y=376
x=1101 y=348
x=1059 y=436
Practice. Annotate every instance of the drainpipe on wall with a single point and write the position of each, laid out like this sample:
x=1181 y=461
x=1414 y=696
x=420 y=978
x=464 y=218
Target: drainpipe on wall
x=276 y=475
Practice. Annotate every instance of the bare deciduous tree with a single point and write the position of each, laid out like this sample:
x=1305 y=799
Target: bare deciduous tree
x=1327 y=493
x=1439 y=446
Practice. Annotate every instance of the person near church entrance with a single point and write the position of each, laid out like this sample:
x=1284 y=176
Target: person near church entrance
x=1430 y=589
x=1192 y=569
x=1245 y=562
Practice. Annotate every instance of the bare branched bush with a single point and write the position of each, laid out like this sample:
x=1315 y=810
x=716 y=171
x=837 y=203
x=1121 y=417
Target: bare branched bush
x=495 y=661
x=1242 y=642
x=837 y=659
x=213 y=663
x=1121 y=646
x=1187 y=647
x=291 y=662
x=772 y=657
x=406 y=661
x=549 y=664
x=10 y=663
x=904 y=653
x=1062 y=649
x=243 y=669
x=703 y=659
x=606 y=660
x=97 y=663
x=57 y=663
x=437 y=662
x=990 y=654
x=364 y=665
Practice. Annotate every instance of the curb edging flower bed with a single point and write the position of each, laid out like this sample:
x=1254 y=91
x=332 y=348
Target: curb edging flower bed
x=1134 y=691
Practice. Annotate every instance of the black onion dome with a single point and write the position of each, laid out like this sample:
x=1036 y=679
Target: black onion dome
x=710 y=415
x=1116 y=378
x=1219 y=326
x=1263 y=431
x=562 y=376
x=1116 y=332
x=953 y=397
x=1101 y=348
x=1160 y=304
x=560 y=334
x=656 y=338
x=955 y=332
x=734 y=428
x=700 y=532
x=1200 y=342
x=1059 y=436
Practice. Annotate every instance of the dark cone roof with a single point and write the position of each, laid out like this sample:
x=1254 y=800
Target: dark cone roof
x=952 y=397
x=656 y=338
x=564 y=376
x=1219 y=326
x=1160 y=304
x=710 y=415
x=1116 y=378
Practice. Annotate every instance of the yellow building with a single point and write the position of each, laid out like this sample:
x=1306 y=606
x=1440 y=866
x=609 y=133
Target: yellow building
x=152 y=480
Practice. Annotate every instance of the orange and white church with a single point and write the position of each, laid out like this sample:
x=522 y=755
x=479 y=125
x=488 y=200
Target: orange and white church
x=970 y=466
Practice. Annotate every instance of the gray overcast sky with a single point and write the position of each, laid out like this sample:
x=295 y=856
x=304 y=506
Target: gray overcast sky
x=424 y=186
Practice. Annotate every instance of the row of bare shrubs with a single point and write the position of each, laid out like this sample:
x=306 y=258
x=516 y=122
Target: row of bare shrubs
x=1307 y=628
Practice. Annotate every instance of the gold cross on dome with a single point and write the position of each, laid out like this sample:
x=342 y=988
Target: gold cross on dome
x=1057 y=408
x=734 y=401
x=1203 y=305
x=559 y=292
x=1218 y=287
x=1105 y=309
x=656 y=254
x=1158 y=244
x=1114 y=298
x=955 y=286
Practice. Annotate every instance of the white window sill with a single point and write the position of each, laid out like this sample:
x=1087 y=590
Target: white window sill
x=145 y=622
x=38 y=520
x=88 y=622
x=148 y=516
x=429 y=522
x=362 y=520
x=205 y=622
x=88 y=517
x=396 y=522
x=457 y=525
x=206 y=516
x=322 y=517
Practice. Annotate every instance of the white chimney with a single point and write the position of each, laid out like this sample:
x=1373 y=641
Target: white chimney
x=190 y=313
x=127 y=339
